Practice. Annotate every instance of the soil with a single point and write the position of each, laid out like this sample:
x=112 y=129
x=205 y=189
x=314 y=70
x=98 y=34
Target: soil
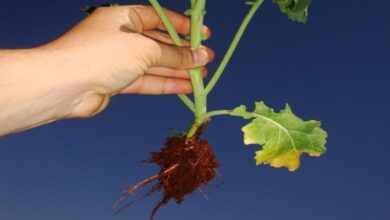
x=186 y=165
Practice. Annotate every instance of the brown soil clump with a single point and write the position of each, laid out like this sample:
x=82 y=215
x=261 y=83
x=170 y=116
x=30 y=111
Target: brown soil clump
x=186 y=165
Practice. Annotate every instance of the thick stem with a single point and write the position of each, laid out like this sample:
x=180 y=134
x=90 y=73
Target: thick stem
x=193 y=130
x=197 y=15
x=233 y=46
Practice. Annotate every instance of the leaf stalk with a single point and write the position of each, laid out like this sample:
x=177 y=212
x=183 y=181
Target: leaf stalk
x=218 y=73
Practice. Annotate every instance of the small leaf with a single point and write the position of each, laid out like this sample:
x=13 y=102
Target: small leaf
x=175 y=133
x=283 y=135
x=89 y=9
x=296 y=10
x=188 y=12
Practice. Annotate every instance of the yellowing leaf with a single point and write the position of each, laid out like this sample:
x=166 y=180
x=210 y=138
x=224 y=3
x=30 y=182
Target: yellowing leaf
x=290 y=160
x=283 y=135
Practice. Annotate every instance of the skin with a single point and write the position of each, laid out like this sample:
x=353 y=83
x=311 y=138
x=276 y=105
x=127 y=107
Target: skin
x=115 y=50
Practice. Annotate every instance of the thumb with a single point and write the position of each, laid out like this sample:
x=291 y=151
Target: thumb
x=181 y=57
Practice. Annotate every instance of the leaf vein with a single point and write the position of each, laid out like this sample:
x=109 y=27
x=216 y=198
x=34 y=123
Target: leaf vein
x=280 y=128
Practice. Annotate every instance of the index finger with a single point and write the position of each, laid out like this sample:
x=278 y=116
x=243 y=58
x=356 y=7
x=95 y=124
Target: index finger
x=145 y=18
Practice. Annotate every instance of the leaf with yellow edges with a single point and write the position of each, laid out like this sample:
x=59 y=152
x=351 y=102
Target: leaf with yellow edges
x=283 y=135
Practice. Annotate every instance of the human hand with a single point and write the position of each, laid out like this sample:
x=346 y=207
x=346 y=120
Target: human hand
x=123 y=50
x=115 y=50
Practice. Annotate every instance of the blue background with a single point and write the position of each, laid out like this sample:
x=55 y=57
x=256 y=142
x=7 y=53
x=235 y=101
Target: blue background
x=336 y=69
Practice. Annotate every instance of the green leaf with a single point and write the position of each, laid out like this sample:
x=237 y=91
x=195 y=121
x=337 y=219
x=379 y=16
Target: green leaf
x=89 y=9
x=296 y=10
x=175 y=133
x=283 y=135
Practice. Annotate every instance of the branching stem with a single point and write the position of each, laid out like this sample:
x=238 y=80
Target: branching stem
x=197 y=12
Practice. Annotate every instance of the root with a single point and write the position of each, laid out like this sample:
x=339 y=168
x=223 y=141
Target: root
x=143 y=183
x=185 y=166
x=135 y=201
x=205 y=196
x=155 y=209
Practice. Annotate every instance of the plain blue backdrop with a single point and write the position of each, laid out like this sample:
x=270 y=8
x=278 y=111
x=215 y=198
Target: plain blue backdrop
x=336 y=69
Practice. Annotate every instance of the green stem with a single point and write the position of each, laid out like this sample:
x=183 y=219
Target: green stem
x=197 y=14
x=176 y=40
x=230 y=113
x=218 y=112
x=233 y=46
x=248 y=115
x=187 y=101
x=199 y=106
x=193 y=2
x=200 y=99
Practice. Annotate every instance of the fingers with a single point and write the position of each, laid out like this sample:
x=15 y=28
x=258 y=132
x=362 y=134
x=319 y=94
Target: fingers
x=154 y=85
x=179 y=57
x=163 y=37
x=160 y=80
x=144 y=18
x=182 y=57
x=172 y=73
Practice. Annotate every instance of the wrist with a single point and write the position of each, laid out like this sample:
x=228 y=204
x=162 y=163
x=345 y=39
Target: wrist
x=37 y=86
x=73 y=82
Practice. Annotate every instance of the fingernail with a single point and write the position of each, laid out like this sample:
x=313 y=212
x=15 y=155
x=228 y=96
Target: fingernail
x=200 y=56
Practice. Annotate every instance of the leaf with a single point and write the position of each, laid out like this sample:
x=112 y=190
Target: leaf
x=89 y=9
x=283 y=135
x=175 y=133
x=296 y=10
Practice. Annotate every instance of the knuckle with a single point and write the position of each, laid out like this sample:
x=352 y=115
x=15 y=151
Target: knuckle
x=180 y=56
x=135 y=19
x=153 y=50
x=183 y=57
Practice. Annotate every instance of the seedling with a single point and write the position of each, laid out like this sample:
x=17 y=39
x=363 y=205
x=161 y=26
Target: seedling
x=187 y=162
